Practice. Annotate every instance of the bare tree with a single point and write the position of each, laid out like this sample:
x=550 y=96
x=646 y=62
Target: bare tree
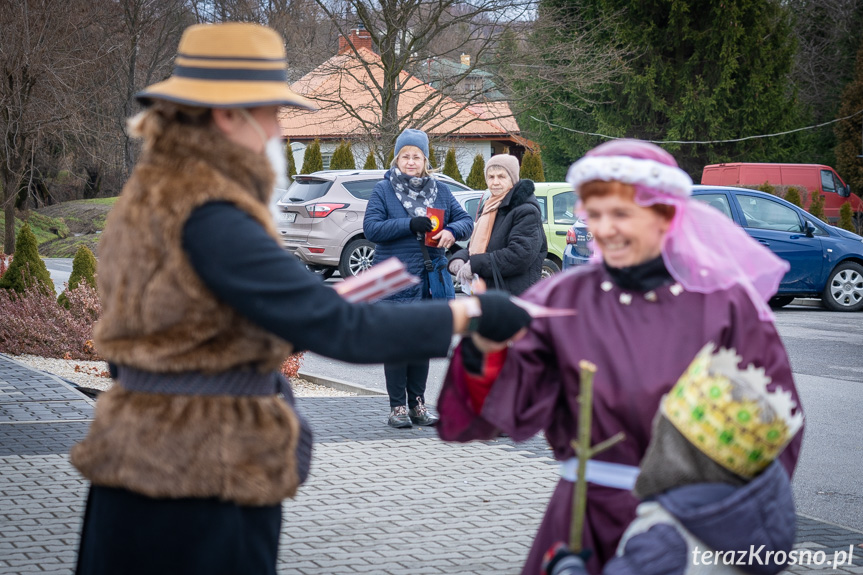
x=419 y=44
x=47 y=50
x=827 y=34
x=147 y=41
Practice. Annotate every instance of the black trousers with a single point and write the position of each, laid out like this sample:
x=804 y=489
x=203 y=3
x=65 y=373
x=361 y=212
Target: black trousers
x=406 y=379
x=128 y=533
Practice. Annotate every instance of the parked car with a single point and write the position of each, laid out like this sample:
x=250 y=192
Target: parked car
x=826 y=261
x=813 y=177
x=577 y=250
x=321 y=219
x=558 y=200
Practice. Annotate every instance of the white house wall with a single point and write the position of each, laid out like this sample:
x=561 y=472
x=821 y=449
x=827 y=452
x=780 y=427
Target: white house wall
x=465 y=151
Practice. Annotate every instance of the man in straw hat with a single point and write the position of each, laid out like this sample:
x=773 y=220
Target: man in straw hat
x=193 y=449
x=715 y=500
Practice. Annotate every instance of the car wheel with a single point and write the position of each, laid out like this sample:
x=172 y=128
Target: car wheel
x=844 y=289
x=780 y=301
x=549 y=268
x=323 y=271
x=358 y=256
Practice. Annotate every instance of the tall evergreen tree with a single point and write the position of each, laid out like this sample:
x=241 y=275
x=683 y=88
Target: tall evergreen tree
x=343 y=158
x=27 y=268
x=312 y=159
x=849 y=133
x=432 y=157
x=289 y=156
x=476 y=178
x=793 y=196
x=816 y=206
x=83 y=270
x=450 y=166
x=370 y=164
x=705 y=70
x=531 y=167
x=846 y=222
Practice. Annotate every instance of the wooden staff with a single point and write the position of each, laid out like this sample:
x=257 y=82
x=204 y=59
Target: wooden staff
x=584 y=452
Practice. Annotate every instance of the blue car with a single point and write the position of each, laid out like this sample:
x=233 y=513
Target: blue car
x=577 y=251
x=826 y=261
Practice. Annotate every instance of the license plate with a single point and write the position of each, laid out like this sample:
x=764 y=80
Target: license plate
x=289 y=217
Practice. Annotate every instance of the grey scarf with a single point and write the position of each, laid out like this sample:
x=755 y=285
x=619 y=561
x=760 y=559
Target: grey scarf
x=415 y=194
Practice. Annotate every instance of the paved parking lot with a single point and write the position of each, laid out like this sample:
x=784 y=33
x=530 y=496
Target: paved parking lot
x=378 y=500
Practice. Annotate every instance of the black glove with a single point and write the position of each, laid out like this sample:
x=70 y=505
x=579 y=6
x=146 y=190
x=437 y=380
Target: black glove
x=559 y=560
x=421 y=225
x=501 y=319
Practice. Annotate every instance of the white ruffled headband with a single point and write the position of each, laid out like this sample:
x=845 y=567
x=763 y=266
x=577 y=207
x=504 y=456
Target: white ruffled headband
x=703 y=250
x=638 y=172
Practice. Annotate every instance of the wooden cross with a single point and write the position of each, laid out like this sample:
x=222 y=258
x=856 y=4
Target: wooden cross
x=584 y=452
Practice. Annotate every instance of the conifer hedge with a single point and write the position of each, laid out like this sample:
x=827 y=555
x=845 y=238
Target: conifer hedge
x=370 y=164
x=27 y=268
x=312 y=160
x=531 y=167
x=289 y=155
x=846 y=221
x=450 y=166
x=793 y=196
x=343 y=158
x=83 y=271
x=476 y=178
x=816 y=206
x=432 y=157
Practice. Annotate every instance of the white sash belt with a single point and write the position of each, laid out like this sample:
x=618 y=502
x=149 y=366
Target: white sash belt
x=603 y=473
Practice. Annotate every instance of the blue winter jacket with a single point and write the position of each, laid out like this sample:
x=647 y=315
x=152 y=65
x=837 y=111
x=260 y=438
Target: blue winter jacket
x=387 y=224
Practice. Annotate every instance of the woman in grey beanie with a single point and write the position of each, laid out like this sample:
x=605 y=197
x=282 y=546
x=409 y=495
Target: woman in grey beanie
x=508 y=243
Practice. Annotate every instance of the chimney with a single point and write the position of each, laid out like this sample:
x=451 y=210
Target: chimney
x=360 y=38
x=465 y=59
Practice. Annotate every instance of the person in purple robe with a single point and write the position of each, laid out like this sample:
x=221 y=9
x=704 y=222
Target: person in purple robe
x=670 y=275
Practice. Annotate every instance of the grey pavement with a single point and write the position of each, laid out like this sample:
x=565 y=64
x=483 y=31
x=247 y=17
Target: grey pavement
x=378 y=500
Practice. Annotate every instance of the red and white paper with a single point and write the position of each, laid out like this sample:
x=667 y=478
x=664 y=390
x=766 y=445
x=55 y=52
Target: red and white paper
x=377 y=282
x=535 y=310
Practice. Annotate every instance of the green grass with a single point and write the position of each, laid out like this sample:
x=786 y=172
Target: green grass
x=45 y=228
x=51 y=225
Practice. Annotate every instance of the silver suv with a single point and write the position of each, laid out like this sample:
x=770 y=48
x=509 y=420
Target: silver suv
x=321 y=218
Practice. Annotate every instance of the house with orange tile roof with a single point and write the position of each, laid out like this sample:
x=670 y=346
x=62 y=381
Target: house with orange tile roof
x=344 y=89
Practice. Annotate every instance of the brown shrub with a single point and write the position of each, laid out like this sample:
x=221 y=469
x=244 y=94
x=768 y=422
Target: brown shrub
x=33 y=323
x=292 y=365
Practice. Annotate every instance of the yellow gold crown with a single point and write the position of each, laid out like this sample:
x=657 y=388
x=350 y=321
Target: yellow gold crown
x=729 y=414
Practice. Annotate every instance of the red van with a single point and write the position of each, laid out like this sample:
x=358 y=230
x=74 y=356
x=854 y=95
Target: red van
x=813 y=177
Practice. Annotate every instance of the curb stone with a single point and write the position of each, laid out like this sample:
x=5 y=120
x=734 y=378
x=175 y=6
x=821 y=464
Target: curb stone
x=339 y=384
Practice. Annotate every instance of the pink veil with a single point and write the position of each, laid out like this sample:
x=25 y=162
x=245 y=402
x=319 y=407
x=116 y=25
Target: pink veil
x=703 y=249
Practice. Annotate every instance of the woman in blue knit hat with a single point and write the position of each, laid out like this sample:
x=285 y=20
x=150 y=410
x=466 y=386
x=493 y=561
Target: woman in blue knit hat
x=396 y=220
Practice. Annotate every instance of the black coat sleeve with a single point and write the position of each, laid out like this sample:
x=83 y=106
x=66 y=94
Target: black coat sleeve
x=523 y=244
x=248 y=270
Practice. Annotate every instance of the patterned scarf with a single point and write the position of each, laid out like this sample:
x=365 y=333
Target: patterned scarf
x=415 y=194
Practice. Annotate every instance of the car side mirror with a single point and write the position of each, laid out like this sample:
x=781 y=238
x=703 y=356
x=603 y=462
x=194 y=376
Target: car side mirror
x=845 y=191
x=808 y=229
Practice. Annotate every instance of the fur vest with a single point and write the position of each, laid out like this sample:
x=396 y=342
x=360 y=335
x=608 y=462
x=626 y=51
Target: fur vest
x=158 y=316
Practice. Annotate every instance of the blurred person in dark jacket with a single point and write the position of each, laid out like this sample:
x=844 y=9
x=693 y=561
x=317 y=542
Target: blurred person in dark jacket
x=195 y=446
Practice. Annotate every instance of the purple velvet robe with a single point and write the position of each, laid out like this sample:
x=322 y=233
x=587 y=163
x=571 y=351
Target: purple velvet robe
x=641 y=342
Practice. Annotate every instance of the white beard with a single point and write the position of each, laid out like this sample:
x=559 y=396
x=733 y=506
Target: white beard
x=275 y=151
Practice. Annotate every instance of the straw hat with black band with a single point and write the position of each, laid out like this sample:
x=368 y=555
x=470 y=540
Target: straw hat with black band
x=231 y=65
